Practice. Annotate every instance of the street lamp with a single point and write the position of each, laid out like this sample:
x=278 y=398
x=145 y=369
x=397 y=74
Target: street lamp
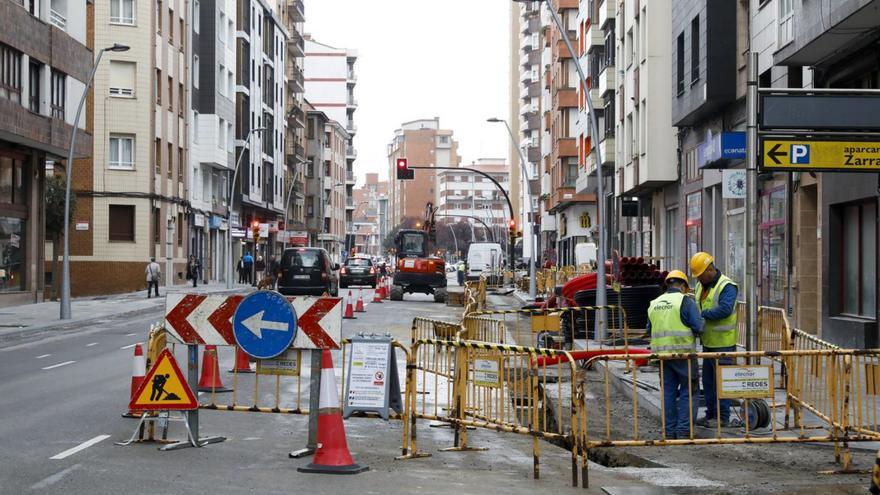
x=533 y=286
x=229 y=197
x=287 y=203
x=65 y=270
x=601 y=298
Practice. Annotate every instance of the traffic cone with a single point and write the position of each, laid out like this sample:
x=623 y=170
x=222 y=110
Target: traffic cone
x=138 y=370
x=242 y=362
x=332 y=455
x=377 y=292
x=360 y=302
x=349 y=311
x=210 y=380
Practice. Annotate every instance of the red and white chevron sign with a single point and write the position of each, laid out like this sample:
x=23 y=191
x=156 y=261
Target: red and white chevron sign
x=206 y=319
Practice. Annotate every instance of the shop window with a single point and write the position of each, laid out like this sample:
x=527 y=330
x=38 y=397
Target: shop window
x=694 y=224
x=772 y=248
x=12 y=181
x=122 y=223
x=736 y=234
x=858 y=260
x=12 y=254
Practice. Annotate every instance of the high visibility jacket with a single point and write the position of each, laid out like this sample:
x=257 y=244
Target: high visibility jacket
x=669 y=335
x=717 y=333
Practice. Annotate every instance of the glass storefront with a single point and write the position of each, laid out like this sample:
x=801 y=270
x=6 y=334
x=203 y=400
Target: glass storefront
x=12 y=254
x=772 y=246
x=736 y=236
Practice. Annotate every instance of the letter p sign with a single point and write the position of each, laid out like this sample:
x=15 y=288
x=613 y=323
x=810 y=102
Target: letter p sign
x=800 y=154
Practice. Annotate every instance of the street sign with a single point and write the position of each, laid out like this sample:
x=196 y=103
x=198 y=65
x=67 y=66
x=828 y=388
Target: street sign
x=164 y=388
x=817 y=111
x=819 y=155
x=372 y=383
x=285 y=364
x=207 y=319
x=264 y=324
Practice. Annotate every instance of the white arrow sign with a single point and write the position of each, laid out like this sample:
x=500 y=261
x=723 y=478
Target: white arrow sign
x=256 y=324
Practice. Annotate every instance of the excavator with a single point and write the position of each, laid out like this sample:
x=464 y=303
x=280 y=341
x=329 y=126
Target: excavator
x=418 y=270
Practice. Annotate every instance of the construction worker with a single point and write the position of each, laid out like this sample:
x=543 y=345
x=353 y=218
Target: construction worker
x=460 y=271
x=674 y=321
x=716 y=296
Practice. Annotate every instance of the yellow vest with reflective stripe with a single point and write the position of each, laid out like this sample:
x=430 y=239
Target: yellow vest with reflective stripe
x=669 y=335
x=717 y=333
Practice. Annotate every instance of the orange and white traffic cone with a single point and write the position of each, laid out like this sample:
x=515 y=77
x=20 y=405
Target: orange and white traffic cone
x=138 y=370
x=386 y=288
x=349 y=311
x=242 y=362
x=332 y=455
x=377 y=292
x=210 y=379
x=360 y=302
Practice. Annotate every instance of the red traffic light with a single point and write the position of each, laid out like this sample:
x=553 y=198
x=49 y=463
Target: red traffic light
x=512 y=224
x=256 y=224
x=403 y=170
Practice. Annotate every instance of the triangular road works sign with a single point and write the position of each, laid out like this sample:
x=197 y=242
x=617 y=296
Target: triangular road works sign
x=164 y=388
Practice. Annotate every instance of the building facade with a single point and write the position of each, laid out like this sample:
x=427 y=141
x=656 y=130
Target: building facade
x=424 y=144
x=464 y=194
x=295 y=141
x=325 y=187
x=45 y=59
x=366 y=214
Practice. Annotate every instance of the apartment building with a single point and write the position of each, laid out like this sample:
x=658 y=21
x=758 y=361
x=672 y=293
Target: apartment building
x=564 y=208
x=424 y=144
x=330 y=80
x=45 y=59
x=644 y=151
x=366 y=214
x=211 y=133
x=462 y=194
x=292 y=12
x=526 y=112
x=326 y=201
x=832 y=225
x=260 y=130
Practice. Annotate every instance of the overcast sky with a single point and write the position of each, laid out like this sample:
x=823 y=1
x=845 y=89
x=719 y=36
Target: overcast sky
x=422 y=59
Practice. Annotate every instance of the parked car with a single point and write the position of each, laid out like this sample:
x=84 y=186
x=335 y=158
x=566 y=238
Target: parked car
x=307 y=271
x=358 y=271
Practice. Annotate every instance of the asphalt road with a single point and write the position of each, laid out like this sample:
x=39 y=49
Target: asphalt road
x=61 y=401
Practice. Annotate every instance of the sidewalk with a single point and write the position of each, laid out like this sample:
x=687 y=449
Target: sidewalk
x=31 y=319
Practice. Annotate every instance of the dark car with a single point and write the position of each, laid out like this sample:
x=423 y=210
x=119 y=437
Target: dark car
x=307 y=271
x=358 y=271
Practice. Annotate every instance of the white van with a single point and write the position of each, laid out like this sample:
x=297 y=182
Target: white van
x=585 y=253
x=484 y=257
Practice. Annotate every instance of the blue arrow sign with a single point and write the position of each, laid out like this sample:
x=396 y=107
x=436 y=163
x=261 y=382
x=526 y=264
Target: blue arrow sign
x=264 y=324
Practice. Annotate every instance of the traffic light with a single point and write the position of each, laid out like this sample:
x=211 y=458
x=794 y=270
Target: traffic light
x=512 y=227
x=255 y=228
x=403 y=170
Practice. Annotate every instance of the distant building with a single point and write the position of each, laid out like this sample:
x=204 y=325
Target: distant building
x=326 y=202
x=367 y=214
x=462 y=194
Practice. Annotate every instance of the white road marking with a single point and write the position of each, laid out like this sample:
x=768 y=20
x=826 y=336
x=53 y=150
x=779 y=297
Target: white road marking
x=65 y=363
x=130 y=334
x=82 y=446
x=55 y=478
x=43 y=356
x=129 y=346
x=93 y=343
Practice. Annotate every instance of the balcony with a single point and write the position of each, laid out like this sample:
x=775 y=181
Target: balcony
x=349 y=177
x=351 y=78
x=529 y=42
x=528 y=76
x=566 y=98
x=527 y=109
x=562 y=50
x=534 y=154
x=351 y=128
x=607 y=80
x=566 y=147
x=350 y=152
x=297 y=12
x=58 y=19
x=595 y=37
x=352 y=102
x=296 y=45
x=607 y=12
x=295 y=78
x=349 y=203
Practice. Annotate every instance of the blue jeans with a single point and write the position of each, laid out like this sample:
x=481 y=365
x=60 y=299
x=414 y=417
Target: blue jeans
x=710 y=389
x=676 y=397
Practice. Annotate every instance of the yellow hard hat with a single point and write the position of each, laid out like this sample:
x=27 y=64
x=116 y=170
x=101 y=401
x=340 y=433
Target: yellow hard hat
x=677 y=274
x=700 y=262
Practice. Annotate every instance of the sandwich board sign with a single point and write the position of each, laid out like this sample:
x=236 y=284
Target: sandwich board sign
x=164 y=388
x=372 y=383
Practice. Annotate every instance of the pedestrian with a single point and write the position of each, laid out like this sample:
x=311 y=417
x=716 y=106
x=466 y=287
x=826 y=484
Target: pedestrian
x=716 y=297
x=153 y=273
x=259 y=269
x=193 y=268
x=674 y=321
x=460 y=272
x=240 y=268
x=247 y=265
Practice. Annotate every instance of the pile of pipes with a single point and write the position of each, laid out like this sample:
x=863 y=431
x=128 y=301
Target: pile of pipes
x=636 y=272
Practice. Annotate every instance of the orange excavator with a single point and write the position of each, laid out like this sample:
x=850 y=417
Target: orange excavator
x=418 y=270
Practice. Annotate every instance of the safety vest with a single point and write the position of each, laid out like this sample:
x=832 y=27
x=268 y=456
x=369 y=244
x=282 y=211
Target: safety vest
x=717 y=333
x=669 y=335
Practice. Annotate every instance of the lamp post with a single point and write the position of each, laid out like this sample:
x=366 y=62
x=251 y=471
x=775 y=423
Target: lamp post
x=229 y=197
x=601 y=298
x=533 y=236
x=65 y=269
x=287 y=203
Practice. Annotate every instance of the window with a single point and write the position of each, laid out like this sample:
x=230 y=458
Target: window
x=694 y=224
x=170 y=26
x=182 y=44
x=122 y=12
x=59 y=80
x=858 y=259
x=170 y=159
x=195 y=18
x=679 y=66
x=771 y=242
x=158 y=87
x=121 y=223
x=122 y=76
x=692 y=172
x=180 y=96
x=13 y=240
x=221 y=81
x=179 y=229
x=158 y=156
x=786 y=22
x=156 y=226
x=10 y=73
x=695 y=49
x=121 y=152
x=159 y=16
x=170 y=93
x=221 y=25
x=34 y=86
x=12 y=181
x=195 y=71
x=609 y=117
x=180 y=167
x=610 y=43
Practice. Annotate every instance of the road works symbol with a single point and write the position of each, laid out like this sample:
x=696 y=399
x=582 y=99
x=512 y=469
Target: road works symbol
x=164 y=388
x=264 y=324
